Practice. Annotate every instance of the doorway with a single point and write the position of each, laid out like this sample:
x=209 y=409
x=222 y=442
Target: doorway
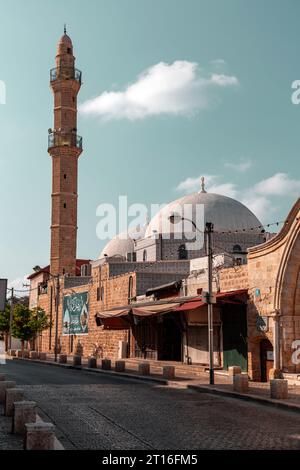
x=171 y=339
x=266 y=359
x=234 y=325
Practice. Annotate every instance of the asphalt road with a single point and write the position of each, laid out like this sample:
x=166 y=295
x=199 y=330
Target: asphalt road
x=93 y=411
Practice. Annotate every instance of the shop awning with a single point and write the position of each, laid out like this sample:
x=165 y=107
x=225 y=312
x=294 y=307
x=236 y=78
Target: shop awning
x=154 y=309
x=121 y=312
x=193 y=304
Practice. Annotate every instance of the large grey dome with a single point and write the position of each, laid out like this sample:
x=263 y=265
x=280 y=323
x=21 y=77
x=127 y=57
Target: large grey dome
x=123 y=243
x=225 y=213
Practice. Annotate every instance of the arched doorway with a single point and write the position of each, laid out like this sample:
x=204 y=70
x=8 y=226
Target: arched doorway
x=266 y=359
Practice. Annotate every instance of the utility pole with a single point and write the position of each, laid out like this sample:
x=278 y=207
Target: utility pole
x=208 y=231
x=11 y=315
x=56 y=317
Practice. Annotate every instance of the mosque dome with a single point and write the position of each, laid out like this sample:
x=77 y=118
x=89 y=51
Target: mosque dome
x=225 y=213
x=122 y=244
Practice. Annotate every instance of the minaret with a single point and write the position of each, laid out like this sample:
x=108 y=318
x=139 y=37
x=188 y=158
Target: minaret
x=64 y=146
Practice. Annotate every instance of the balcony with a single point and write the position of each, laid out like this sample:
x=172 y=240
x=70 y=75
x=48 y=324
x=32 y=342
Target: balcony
x=64 y=139
x=65 y=73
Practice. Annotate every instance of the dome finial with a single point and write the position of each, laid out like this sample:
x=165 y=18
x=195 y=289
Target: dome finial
x=203 y=184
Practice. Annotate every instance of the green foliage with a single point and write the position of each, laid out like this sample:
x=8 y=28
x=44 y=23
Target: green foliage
x=27 y=323
x=4 y=320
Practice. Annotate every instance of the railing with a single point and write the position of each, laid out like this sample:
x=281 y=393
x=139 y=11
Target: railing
x=64 y=139
x=65 y=73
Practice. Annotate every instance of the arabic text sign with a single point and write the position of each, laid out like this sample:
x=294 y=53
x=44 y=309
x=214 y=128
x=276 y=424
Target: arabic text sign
x=75 y=314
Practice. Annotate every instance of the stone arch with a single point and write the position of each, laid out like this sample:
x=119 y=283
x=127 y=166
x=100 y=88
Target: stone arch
x=287 y=288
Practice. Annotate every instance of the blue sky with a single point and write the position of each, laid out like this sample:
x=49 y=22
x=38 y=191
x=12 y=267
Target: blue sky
x=231 y=118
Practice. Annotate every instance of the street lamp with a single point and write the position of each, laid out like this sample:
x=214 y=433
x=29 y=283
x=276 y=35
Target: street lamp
x=57 y=287
x=174 y=219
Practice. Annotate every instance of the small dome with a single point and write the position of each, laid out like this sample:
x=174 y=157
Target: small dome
x=123 y=243
x=225 y=213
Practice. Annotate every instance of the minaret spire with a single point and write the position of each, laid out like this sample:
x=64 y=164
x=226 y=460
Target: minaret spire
x=65 y=28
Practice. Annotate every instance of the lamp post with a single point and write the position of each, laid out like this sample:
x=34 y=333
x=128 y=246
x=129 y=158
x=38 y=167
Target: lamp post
x=175 y=218
x=57 y=289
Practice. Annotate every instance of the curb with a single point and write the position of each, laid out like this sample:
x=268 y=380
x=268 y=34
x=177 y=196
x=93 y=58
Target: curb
x=246 y=397
x=126 y=375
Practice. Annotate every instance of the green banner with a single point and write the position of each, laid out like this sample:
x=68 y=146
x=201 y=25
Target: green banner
x=75 y=314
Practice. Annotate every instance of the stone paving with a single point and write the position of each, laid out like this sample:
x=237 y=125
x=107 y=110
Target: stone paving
x=97 y=411
x=8 y=441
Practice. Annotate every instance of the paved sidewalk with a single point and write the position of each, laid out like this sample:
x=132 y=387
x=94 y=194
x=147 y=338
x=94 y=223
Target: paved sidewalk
x=8 y=441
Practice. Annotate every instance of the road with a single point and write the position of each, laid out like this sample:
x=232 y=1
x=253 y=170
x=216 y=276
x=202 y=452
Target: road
x=92 y=411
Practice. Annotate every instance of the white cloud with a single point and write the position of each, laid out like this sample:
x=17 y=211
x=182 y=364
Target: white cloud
x=263 y=199
x=179 y=88
x=242 y=166
x=19 y=283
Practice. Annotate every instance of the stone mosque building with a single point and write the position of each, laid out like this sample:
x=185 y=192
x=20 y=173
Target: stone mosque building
x=143 y=298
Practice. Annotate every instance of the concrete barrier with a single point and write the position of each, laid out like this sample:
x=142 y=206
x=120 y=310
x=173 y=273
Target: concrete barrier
x=5 y=384
x=2 y=377
x=42 y=356
x=106 y=364
x=144 y=368
x=120 y=366
x=234 y=370
x=168 y=372
x=12 y=352
x=12 y=395
x=279 y=389
x=63 y=359
x=92 y=362
x=241 y=383
x=76 y=360
x=39 y=436
x=24 y=412
x=33 y=354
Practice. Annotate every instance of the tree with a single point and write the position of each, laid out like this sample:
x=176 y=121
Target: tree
x=39 y=321
x=28 y=323
x=4 y=323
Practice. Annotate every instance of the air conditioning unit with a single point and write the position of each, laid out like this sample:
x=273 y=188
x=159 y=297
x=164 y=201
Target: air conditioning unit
x=86 y=270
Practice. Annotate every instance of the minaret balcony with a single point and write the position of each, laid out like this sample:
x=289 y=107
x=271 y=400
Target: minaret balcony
x=64 y=139
x=65 y=73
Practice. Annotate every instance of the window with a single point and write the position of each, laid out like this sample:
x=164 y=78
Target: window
x=69 y=50
x=65 y=176
x=237 y=249
x=145 y=255
x=182 y=252
x=65 y=205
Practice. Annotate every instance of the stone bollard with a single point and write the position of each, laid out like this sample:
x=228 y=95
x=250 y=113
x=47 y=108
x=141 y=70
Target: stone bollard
x=234 y=370
x=4 y=384
x=279 y=388
x=39 y=436
x=120 y=366
x=144 y=368
x=42 y=356
x=92 y=362
x=24 y=412
x=2 y=377
x=241 y=383
x=106 y=364
x=26 y=353
x=19 y=353
x=63 y=359
x=76 y=360
x=33 y=354
x=12 y=352
x=169 y=372
x=12 y=395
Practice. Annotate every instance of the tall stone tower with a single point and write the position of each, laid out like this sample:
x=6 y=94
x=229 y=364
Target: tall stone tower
x=64 y=146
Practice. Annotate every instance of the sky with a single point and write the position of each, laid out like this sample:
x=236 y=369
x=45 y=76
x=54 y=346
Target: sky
x=172 y=90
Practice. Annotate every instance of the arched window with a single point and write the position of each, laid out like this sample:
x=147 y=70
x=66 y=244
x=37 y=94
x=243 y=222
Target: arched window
x=237 y=249
x=145 y=255
x=182 y=252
